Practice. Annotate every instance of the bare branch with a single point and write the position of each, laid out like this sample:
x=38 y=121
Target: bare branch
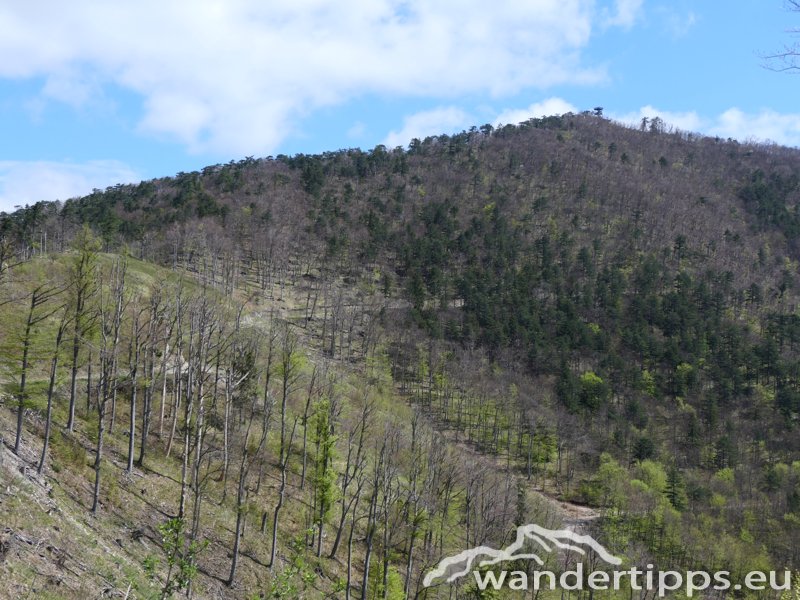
x=789 y=58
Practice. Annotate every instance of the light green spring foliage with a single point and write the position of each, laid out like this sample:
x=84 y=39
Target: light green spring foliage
x=294 y=579
x=653 y=474
x=180 y=558
x=324 y=477
x=594 y=391
x=394 y=583
x=794 y=593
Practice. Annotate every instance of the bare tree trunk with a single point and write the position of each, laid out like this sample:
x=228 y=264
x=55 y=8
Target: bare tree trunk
x=177 y=372
x=109 y=359
x=289 y=375
x=241 y=493
x=133 y=352
x=163 y=390
x=148 y=403
x=115 y=377
x=305 y=427
x=98 y=457
x=199 y=432
x=156 y=318
x=73 y=390
x=350 y=545
x=50 y=389
x=89 y=385
x=225 y=427
x=82 y=279
x=40 y=296
x=240 y=496
x=279 y=504
x=187 y=420
x=371 y=518
x=353 y=468
x=26 y=344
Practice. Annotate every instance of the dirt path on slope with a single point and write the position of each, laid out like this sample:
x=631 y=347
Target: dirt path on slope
x=575 y=517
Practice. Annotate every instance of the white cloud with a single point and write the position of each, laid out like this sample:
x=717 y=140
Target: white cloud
x=551 y=106
x=431 y=122
x=685 y=121
x=237 y=76
x=764 y=126
x=24 y=182
x=625 y=14
x=72 y=87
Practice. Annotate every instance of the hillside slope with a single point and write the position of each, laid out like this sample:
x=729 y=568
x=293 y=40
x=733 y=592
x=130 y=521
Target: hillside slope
x=609 y=313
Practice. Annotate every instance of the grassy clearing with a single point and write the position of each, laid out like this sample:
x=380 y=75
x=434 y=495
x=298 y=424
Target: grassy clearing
x=107 y=554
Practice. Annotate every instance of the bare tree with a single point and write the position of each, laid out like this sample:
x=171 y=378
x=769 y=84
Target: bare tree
x=134 y=351
x=289 y=365
x=233 y=379
x=111 y=311
x=155 y=322
x=360 y=480
x=62 y=327
x=177 y=369
x=40 y=296
x=354 y=466
x=82 y=279
x=788 y=58
x=309 y=398
x=378 y=475
x=211 y=338
x=250 y=454
x=201 y=327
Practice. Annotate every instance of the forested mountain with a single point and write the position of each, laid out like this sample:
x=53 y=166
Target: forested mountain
x=384 y=357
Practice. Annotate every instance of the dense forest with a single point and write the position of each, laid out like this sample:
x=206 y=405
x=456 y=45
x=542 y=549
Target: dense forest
x=316 y=376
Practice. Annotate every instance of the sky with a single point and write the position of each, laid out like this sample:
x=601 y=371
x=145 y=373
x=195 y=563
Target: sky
x=93 y=94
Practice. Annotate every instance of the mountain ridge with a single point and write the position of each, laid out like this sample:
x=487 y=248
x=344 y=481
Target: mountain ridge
x=609 y=311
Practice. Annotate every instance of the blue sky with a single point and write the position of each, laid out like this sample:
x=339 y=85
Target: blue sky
x=98 y=93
